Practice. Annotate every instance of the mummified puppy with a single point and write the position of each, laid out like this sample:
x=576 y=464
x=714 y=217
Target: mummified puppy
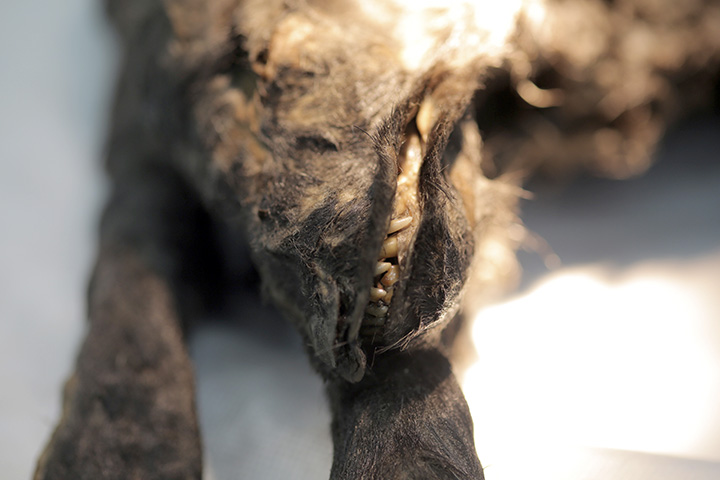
x=344 y=138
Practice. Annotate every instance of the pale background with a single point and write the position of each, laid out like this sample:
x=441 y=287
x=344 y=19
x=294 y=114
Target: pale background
x=609 y=369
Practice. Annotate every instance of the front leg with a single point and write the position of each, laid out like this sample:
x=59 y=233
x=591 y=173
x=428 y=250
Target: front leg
x=407 y=419
x=129 y=409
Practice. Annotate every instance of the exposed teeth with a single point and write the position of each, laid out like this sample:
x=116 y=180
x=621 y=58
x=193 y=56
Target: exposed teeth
x=377 y=293
x=405 y=210
x=388 y=296
x=408 y=177
x=382 y=267
x=389 y=248
x=425 y=117
x=376 y=311
x=391 y=277
x=399 y=224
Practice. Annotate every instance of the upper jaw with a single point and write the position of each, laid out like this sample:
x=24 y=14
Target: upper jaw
x=318 y=217
x=312 y=158
x=317 y=191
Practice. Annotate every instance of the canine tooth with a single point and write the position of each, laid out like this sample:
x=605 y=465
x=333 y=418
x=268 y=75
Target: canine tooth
x=389 y=248
x=377 y=293
x=413 y=160
x=399 y=224
x=376 y=310
x=391 y=277
x=388 y=295
x=425 y=117
x=382 y=267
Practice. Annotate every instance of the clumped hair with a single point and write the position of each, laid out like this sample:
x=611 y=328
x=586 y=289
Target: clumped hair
x=371 y=155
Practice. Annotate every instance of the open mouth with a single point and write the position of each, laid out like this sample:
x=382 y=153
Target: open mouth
x=364 y=241
x=424 y=257
x=401 y=228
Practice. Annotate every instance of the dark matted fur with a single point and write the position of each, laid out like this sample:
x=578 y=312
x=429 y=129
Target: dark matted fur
x=221 y=119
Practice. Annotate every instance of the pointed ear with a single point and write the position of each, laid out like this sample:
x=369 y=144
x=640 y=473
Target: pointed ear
x=407 y=419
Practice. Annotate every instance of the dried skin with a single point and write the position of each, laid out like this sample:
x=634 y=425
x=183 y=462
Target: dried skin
x=316 y=201
x=372 y=163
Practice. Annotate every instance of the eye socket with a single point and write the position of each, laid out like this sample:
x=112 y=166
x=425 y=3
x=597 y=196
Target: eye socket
x=315 y=143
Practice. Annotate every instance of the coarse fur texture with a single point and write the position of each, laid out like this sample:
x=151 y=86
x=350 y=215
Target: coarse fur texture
x=288 y=121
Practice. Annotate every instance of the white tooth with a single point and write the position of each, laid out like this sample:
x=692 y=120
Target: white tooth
x=381 y=267
x=413 y=161
x=389 y=248
x=376 y=310
x=391 y=277
x=399 y=224
x=425 y=117
x=376 y=294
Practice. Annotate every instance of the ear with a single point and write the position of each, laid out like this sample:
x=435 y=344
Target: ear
x=407 y=419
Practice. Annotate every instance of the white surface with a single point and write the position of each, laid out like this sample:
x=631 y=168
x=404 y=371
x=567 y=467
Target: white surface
x=56 y=63
x=55 y=70
x=590 y=358
x=619 y=349
x=262 y=408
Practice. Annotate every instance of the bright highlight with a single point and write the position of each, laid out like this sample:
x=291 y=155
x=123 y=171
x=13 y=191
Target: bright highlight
x=586 y=359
